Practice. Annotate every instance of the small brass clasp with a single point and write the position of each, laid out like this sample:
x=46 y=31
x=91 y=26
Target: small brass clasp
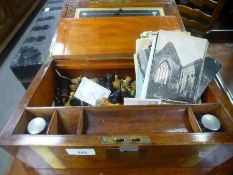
x=124 y=139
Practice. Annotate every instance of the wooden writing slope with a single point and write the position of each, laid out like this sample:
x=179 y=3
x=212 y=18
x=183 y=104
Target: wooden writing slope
x=159 y=139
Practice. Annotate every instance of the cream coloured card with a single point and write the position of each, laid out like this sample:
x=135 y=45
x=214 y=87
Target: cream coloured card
x=91 y=92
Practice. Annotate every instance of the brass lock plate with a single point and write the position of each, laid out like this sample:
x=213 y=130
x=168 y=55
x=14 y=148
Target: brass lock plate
x=125 y=139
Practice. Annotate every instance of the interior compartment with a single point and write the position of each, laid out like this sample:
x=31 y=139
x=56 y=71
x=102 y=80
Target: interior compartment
x=28 y=115
x=140 y=120
x=217 y=110
x=44 y=93
x=67 y=121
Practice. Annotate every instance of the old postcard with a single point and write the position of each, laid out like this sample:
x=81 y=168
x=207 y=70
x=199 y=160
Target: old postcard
x=143 y=48
x=175 y=67
x=211 y=68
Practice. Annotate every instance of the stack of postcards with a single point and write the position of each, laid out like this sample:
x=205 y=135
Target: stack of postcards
x=172 y=66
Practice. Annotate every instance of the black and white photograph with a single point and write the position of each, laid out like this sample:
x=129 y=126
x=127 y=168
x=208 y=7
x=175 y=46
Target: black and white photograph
x=176 y=68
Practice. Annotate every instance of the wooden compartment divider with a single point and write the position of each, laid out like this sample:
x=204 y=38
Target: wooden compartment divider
x=80 y=123
x=53 y=126
x=193 y=121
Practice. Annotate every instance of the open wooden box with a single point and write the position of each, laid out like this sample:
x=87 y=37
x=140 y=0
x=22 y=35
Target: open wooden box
x=144 y=136
x=100 y=139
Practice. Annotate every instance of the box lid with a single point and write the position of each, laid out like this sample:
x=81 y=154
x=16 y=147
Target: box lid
x=105 y=37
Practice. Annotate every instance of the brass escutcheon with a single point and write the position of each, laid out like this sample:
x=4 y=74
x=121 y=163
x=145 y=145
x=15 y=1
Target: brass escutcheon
x=124 y=139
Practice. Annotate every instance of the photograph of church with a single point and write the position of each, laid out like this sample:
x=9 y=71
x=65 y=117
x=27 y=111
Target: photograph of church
x=171 y=81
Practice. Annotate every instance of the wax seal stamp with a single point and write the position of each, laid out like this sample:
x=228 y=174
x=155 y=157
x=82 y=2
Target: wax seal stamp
x=210 y=122
x=36 y=125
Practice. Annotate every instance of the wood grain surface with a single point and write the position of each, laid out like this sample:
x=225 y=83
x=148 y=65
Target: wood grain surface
x=93 y=37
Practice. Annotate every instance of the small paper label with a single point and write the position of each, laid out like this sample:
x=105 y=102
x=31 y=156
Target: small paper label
x=91 y=92
x=81 y=152
x=139 y=101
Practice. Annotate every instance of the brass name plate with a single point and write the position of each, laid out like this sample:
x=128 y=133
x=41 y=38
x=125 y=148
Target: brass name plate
x=125 y=139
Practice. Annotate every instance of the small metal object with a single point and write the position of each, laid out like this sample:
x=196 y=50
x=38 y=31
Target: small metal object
x=36 y=125
x=210 y=122
x=125 y=139
x=117 y=139
x=135 y=139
